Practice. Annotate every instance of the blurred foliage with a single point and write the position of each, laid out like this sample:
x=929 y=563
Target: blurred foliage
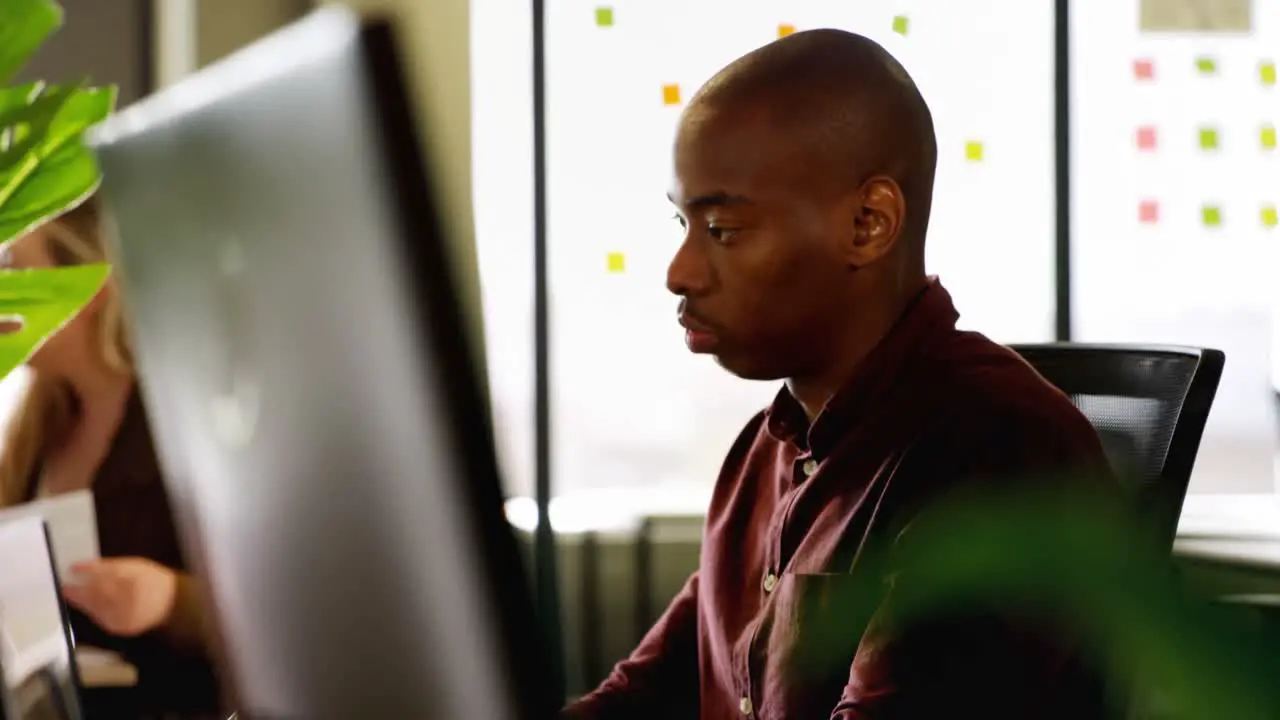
x=45 y=170
x=1089 y=563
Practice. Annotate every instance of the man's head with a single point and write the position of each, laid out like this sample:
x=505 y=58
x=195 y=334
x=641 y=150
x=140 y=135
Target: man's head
x=803 y=177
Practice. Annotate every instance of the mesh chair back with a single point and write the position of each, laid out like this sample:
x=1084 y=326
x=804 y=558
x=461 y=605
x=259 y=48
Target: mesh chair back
x=1149 y=405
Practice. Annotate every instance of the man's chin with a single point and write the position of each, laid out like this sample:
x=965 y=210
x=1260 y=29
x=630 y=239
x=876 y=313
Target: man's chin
x=744 y=368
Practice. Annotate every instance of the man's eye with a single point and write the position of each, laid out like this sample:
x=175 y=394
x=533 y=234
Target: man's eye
x=719 y=233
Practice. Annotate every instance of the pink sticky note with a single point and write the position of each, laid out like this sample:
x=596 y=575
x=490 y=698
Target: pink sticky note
x=1148 y=212
x=1146 y=138
x=1144 y=70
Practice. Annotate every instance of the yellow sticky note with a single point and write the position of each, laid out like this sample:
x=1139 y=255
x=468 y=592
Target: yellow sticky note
x=973 y=151
x=1206 y=65
x=1270 y=218
x=1212 y=215
x=901 y=24
x=1267 y=73
x=1208 y=139
x=785 y=30
x=617 y=262
x=671 y=94
x=604 y=17
x=1269 y=138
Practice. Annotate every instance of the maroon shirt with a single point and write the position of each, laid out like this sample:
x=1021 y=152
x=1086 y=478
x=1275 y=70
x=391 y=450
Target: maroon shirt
x=932 y=409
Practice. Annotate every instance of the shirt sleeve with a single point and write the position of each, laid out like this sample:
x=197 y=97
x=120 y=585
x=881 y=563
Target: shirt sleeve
x=186 y=629
x=660 y=678
x=991 y=663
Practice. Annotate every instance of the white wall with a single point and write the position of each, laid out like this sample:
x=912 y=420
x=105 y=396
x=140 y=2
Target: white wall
x=1177 y=280
x=631 y=406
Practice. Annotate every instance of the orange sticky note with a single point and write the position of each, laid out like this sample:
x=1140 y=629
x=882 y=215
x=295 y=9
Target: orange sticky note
x=785 y=30
x=1270 y=218
x=973 y=151
x=617 y=262
x=671 y=94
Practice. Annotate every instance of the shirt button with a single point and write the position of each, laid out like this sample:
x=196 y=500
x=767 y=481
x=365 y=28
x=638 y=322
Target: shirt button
x=745 y=705
x=770 y=582
x=810 y=467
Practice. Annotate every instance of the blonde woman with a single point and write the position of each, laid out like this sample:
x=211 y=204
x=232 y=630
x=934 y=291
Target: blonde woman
x=80 y=425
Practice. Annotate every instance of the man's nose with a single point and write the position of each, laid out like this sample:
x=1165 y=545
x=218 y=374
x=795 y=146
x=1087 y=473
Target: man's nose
x=688 y=273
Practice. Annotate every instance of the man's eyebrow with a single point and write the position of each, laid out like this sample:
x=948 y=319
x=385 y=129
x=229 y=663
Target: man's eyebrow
x=712 y=200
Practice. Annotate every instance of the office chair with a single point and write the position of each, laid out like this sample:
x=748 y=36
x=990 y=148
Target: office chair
x=1149 y=405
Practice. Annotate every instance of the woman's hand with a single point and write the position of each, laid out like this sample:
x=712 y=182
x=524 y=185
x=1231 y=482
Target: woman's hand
x=124 y=596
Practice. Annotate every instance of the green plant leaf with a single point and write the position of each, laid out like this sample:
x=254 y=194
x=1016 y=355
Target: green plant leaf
x=1081 y=559
x=45 y=169
x=43 y=300
x=55 y=171
x=26 y=113
x=24 y=26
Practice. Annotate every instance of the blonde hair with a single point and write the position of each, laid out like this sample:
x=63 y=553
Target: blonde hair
x=46 y=409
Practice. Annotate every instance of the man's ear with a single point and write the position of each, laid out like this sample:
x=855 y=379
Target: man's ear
x=879 y=213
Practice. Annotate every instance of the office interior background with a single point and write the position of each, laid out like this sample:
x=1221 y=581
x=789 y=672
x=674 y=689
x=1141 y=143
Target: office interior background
x=1174 y=187
x=1175 y=182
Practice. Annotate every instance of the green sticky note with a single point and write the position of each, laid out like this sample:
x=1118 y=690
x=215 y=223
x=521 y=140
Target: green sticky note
x=1270 y=218
x=901 y=24
x=1267 y=72
x=1212 y=215
x=604 y=17
x=1206 y=65
x=1269 y=138
x=1208 y=139
x=973 y=151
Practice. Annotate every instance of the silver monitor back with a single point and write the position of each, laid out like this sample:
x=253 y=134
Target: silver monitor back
x=38 y=672
x=318 y=414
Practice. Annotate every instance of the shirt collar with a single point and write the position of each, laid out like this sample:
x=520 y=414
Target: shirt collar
x=929 y=317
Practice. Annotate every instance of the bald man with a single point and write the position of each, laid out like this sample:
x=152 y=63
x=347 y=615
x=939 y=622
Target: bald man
x=803 y=178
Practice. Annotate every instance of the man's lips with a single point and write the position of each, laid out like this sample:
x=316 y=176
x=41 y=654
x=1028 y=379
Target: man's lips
x=698 y=336
x=692 y=324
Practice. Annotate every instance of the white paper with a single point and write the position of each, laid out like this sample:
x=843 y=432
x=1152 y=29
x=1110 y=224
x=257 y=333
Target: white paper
x=31 y=628
x=103 y=668
x=73 y=527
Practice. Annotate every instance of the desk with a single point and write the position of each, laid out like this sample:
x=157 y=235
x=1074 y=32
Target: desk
x=1229 y=546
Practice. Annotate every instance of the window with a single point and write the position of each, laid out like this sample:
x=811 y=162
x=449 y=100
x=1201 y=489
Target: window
x=1175 y=183
x=631 y=407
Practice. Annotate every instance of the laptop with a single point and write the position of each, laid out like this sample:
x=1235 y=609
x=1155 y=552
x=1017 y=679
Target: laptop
x=316 y=406
x=40 y=677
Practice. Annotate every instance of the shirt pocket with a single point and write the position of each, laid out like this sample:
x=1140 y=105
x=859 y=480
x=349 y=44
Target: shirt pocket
x=816 y=623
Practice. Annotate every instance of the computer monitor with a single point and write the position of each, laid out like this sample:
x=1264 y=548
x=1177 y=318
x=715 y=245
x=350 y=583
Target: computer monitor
x=37 y=657
x=302 y=355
